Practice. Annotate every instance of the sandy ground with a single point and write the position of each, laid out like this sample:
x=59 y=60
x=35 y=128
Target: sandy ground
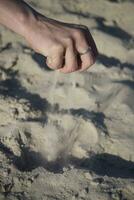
x=69 y=137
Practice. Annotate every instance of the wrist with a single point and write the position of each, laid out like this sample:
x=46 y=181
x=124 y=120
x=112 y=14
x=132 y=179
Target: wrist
x=32 y=26
x=26 y=21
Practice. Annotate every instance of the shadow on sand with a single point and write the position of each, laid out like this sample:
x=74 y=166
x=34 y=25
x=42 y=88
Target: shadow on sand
x=113 y=30
x=41 y=61
x=113 y=62
x=11 y=87
x=101 y=164
x=107 y=164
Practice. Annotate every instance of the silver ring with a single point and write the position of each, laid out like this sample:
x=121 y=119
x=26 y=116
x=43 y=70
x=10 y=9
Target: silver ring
x=86 y=51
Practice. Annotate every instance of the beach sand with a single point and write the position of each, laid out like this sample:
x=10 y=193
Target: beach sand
x=69 y=137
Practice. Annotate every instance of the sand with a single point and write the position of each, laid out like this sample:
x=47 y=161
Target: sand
x=69 y=137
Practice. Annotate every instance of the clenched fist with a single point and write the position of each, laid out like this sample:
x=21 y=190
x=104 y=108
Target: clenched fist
x=68 y=47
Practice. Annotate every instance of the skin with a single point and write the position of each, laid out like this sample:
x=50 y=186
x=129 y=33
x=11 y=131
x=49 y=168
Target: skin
x=60 y=42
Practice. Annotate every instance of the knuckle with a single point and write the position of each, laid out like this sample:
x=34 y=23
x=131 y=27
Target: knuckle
x=57 y=64
x=67 y=70
x=59 y=48
x=69 y=41
x=49 y=63
x=54 y=63
x=90 y=61
x=79 y=33
x=71 y=69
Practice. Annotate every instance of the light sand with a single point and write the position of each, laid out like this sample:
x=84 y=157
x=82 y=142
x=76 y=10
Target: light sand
x=69 y=137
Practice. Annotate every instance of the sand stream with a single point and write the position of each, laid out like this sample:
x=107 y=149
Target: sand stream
x=68 y=137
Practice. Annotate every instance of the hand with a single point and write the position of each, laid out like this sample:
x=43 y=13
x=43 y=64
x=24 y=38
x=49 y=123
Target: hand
x=68 y=47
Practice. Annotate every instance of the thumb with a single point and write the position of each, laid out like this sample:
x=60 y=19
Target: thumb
x=56 y=61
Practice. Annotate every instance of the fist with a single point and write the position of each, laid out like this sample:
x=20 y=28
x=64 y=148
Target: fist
x=68 y=47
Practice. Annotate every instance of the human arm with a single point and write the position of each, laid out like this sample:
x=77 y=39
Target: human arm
x=61 y=43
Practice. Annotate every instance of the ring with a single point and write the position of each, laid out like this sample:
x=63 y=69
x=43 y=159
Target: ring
x=86 y=51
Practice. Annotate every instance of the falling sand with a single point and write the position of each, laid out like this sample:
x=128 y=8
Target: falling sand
x=69 y=137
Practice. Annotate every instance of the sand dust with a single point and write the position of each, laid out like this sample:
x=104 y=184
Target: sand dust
x=69 y=137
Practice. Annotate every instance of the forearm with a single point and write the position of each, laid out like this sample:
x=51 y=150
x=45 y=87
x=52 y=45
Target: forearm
x=16 y=15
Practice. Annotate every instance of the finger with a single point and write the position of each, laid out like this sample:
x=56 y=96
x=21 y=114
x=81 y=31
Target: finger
x=71 y=63
x=56 y=58
x=82 y=44
x=86 y=61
